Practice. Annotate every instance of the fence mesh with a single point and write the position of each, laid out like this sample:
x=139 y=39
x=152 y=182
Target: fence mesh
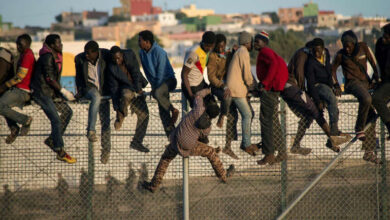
x=37 y=186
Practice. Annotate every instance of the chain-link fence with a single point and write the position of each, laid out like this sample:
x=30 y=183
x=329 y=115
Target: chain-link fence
x=37 y=186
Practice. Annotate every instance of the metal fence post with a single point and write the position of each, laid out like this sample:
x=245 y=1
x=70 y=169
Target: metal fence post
x=383 y=172
x=186 y=200
x=283 y=174
x=91 y=175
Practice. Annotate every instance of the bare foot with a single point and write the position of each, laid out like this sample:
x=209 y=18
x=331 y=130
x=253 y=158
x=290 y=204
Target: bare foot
x=175 y=116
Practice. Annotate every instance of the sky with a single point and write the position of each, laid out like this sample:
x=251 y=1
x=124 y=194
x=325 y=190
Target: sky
x=42 y=12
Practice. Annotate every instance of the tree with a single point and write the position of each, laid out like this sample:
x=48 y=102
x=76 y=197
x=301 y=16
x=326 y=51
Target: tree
x=180 y=15
x=117 y=18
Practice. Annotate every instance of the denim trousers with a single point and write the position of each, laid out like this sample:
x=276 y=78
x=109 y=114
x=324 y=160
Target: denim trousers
x=326 y=94
x=245 y=110
x=97 y=105
x=58 y=123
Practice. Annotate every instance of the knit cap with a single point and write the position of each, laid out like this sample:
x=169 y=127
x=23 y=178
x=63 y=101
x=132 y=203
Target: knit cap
x=244 y=38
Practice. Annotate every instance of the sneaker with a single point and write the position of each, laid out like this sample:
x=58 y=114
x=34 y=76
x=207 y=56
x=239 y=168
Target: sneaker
x=66 y=158
x=148 y=186
x=104 y=157
x=139 y=147
x=251 y=149
x=175 y=116
x=361 y=135
x=91 y=135
x=270 y=159
x=14 y=134
x=282 y=156
x=300 y=150
x=26 y=127
x=229 y=152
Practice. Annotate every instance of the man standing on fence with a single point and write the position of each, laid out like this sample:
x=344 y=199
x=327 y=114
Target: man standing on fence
x=45 y=83
x=161 y=76
x=382 y=94
x=272 y=74
x=353 y=59
x=318 y=74
x=17 y=90
x=126 y=83
x=240 y=81
x=91 y=69
x=216 y=71
x=184 y=141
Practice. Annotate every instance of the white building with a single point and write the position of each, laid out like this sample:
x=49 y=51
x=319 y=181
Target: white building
x=165 y=19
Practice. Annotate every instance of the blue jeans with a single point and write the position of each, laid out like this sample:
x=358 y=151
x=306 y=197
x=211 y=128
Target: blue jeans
x=246 y=115
x=58 y=123
x=102 y=107
x=94 y=96
x=14 y=97
x=327 y=95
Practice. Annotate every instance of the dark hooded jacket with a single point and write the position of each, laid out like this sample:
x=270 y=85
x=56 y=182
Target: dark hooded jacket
x=316 y=72
x=47 y=73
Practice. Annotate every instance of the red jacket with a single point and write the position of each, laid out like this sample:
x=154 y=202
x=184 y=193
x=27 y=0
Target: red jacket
x=271 y=70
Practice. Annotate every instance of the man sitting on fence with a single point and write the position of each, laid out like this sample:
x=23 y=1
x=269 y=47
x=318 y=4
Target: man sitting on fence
x=45 y=83
x=194 y=66
x=184 y=141
x=302 y=105
x=91 y=69
x=216 y=71
x=353 y=59
x=126 y=82
x=320 y=86
x=161 y=76
x=382 y=94
x=17 y=90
